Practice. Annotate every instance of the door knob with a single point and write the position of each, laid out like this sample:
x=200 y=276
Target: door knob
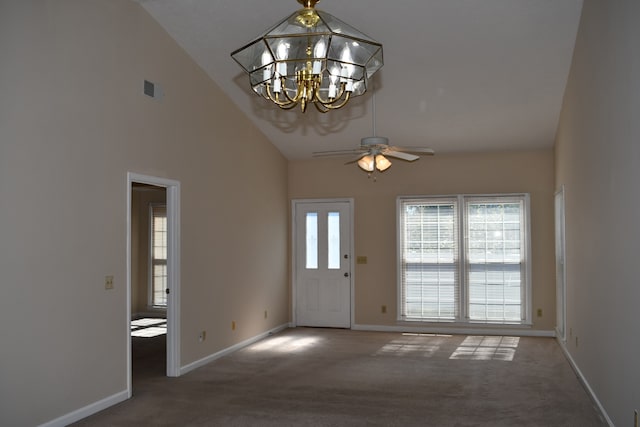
x=346 y=274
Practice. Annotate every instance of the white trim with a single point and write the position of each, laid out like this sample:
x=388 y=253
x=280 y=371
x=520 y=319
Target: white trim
x=294 y=205
x=519 y=331
x=585 y=383
x=88 y=410
x=352 y=265
x=528 y=261
x=173 y=270
x=205 y=360
x=560 y=256
x=294 y=320
x=173 y=276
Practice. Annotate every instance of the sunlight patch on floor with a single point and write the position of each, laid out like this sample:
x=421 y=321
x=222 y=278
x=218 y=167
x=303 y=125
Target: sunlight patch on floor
x=284 y=344
x=148 y=327
x=414 y=344
x=487 y=348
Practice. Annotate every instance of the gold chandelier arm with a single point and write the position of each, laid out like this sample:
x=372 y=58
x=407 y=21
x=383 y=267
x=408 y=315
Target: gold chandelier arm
x=332 y=105
x=286 y=104
x=321 y=107
x=307 y=93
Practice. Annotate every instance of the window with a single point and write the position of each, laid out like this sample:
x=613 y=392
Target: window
x=158 y=256
x=464 y=259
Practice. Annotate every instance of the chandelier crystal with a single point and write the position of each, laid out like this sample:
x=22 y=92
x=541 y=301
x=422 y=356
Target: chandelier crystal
x=310 y=57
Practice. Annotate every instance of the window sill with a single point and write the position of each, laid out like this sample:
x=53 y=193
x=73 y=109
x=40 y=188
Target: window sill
x=459 y=324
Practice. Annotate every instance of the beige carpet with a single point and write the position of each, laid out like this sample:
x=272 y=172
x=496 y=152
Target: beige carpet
x=336 y=377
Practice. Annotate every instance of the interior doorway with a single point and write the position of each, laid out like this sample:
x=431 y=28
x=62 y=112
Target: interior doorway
x=153 y=288
x=148 y=281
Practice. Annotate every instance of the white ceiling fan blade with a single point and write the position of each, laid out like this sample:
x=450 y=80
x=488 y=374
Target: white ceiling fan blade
x=422 y=150
x=400 y=155
x=337 y=153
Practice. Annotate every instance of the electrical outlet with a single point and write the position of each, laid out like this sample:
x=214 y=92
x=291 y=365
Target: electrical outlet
x=202 y=336
x=361 y=259
x=383 y=309
x=108 y=282
x=539 y=312
x=233 y=325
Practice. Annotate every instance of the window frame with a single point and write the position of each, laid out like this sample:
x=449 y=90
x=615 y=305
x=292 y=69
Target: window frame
x=463 y=300
x=152 y=261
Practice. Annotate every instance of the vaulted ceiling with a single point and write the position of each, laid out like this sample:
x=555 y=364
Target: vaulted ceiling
x=459 y=75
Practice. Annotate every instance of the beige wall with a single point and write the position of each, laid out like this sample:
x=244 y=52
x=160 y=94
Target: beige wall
x=597 y=158
x=375 y=214
x=73 y=122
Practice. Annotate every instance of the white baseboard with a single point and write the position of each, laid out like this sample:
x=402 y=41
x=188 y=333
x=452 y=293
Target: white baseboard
x=124 y=395
x=457 y=330
x=205 y=360
x=88 y=410
x=585 y=383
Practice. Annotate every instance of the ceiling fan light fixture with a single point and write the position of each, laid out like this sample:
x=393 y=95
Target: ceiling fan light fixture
x=366 y=163
x=382 y=163
x=310 y=57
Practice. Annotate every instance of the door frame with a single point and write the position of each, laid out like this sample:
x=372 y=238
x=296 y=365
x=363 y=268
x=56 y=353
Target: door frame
x=173 y=270
x=560 y=264
x=294 y=253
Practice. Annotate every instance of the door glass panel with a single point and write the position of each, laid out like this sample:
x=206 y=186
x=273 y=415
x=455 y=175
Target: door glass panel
x=312 y=240
x=333 y=234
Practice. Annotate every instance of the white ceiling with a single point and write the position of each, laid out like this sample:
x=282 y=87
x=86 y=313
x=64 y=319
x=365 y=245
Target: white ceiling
x=459 y=75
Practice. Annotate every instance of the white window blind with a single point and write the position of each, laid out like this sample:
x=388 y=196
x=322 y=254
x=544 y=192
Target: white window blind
x=463 y=258
x=429 y=259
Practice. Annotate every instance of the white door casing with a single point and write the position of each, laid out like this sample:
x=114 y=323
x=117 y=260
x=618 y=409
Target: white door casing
x=322 y=240
x=561 y=290
x=173 y=271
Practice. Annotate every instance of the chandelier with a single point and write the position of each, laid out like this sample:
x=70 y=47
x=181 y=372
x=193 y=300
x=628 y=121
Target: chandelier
x=310 y=57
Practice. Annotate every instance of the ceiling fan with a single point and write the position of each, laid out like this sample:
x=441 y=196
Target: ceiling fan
x=373 y=149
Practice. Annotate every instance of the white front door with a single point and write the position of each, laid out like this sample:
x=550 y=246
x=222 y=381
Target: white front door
x=322 y=264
